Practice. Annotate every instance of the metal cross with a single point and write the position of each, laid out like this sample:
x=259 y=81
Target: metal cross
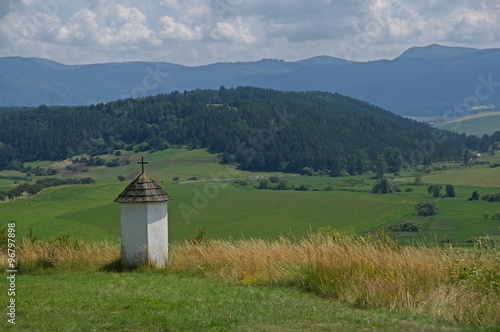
x=142 y=163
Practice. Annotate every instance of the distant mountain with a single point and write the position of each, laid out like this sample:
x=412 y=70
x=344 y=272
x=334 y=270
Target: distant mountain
x=423 y=81
x=436 y=51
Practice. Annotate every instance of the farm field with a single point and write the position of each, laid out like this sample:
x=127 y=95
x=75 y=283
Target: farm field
x=483 y=123
x=206 y=196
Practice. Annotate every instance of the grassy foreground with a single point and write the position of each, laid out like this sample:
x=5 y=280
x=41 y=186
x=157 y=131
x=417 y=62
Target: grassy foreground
x=401 y=288
x=157 y=301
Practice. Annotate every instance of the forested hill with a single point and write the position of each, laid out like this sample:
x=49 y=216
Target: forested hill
x=259 y=129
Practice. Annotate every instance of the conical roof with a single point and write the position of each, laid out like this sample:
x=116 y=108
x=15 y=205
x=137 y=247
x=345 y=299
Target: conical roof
x=141 y=190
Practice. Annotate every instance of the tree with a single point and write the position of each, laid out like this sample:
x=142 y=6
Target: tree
x=380 y=166
x=307 y=171
x=418 y=180
x=426 y=209
x=394 y=159
x=121 y=178
x=435 y=190
x=384 y=186
x=475 y=196
x=466 y=157
x=450 y=190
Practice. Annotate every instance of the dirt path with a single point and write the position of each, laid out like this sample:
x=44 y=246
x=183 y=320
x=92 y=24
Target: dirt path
x=178 y=155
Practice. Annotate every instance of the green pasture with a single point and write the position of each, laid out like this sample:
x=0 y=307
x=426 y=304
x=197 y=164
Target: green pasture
x=87 y=212
x=478 y=177
x=238 y=210
x=479 y=126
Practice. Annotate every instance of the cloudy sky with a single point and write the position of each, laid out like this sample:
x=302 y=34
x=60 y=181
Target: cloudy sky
x=195 y=32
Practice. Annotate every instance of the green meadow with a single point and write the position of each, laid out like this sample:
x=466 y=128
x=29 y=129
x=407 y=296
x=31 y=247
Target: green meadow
x=90 y=294
x=478 y=126
x=225 y=202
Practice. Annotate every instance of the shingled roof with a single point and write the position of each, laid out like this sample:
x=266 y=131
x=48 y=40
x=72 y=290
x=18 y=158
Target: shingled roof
x=141 y=190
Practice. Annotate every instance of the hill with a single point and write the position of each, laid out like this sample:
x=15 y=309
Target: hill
x=423 y=81
x=257 y=129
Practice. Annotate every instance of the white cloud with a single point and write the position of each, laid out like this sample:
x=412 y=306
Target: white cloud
x=235 y=31
x=202 y=31
x=169 y=28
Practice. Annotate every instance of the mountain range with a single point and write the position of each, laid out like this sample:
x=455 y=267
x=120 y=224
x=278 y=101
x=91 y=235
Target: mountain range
x=422 y=81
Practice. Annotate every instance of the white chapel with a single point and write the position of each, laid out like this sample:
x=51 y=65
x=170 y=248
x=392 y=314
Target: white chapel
x=144 y=222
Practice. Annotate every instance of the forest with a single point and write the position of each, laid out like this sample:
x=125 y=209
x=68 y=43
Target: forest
x=254 y=128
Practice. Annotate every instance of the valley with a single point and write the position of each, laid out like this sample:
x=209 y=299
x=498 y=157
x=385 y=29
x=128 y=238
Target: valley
x=367 y=219
x=226 y=202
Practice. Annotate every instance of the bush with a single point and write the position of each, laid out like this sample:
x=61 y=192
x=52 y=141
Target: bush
x=263 y=184
x=274 y=179
x=304 y=187
x=426 y=209
x=113 y=163
x=435 y=190
x=282 y=185
x=492 y=197
x=242 y=183
x=406 y=227
x=384 y=186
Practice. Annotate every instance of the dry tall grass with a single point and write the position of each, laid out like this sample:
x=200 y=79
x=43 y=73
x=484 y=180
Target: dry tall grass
x=61 y=255
x=461 y=285
x=453 y=284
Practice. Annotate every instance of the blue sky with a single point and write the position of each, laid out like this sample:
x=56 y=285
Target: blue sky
x=196 y=32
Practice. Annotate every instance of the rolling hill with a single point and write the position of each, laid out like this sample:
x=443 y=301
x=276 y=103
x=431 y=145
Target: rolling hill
x=423 y=81
x=257 y=129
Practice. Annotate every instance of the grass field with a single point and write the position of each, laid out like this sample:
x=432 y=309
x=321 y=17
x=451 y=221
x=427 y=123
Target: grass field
x=476 y=126
x=229 y=210
x=149 y=301
x=206 y=196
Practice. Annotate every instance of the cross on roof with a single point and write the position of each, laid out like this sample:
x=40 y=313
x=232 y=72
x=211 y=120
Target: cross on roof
x=142 y=163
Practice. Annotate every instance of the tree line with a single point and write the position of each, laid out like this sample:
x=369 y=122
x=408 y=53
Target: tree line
x=33 y=189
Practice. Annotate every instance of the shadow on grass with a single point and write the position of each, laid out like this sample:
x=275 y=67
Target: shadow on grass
x=116 y=266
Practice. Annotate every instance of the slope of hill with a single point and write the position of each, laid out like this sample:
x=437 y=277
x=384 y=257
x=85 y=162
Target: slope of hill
x=423 y=81
x=478 y=124
x=258 y=129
